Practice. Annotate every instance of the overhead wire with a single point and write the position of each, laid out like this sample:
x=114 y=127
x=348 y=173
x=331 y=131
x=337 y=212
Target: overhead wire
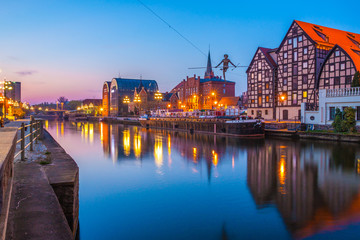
x=164 y=21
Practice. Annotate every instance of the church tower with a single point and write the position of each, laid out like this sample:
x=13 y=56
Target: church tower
x=209 y=73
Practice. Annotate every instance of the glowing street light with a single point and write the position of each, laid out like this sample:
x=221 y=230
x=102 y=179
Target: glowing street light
x=7 y=85
x=281 y=100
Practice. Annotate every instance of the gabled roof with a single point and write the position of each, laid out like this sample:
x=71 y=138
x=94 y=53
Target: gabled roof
x=348 y=41
x=268 y=57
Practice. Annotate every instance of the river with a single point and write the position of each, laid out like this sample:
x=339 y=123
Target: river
x=156 y=184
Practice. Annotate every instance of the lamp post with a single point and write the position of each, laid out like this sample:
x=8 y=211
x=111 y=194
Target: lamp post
x=126 y=100
x=158 y=97
x=281 y=99
x=137 y=100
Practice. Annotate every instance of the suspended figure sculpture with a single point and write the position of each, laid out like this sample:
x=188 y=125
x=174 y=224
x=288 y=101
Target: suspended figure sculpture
x=225 y=63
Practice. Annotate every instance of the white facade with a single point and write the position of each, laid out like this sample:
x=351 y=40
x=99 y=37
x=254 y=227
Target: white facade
x=329 y=100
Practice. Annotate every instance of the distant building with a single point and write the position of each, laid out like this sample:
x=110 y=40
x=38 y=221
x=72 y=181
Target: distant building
x=15 y=92
x=203 y=93
x=309 y=58
x=121 y=88
x=92 y=106
x=106 y=99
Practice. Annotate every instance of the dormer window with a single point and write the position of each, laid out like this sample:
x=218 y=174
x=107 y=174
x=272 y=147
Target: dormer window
x=323 y=36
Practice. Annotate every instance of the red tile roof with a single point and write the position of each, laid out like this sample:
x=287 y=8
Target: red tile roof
x=329 y=37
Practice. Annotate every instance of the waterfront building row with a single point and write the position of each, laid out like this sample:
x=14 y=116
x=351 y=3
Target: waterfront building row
x=309 y=58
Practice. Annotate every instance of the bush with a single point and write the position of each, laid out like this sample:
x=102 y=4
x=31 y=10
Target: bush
x=337 y=124
x=356 y=80
x=349 y=122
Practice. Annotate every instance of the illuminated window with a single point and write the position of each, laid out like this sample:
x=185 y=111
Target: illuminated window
x=259 y=65
x=259 y=76
x=267 y=99
x=267 y=86
x=294 y=98
x=305 y=94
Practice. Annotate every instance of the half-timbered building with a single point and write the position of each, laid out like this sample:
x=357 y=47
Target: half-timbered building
x=309 y=58
x=261 y=75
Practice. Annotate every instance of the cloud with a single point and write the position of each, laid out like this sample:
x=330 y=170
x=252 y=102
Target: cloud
x=26 y=73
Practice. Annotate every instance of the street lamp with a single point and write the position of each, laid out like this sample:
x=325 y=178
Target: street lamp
x=137 y=100
x=281 y=100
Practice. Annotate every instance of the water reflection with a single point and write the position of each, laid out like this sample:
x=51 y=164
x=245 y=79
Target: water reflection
x=313 y=185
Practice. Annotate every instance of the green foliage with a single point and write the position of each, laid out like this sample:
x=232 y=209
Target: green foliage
x=73 y=105
x=345 y=121
x=337 y=123
x=349 y=122
x=356 y=80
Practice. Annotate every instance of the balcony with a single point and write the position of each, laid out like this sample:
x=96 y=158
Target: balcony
x=343 y=92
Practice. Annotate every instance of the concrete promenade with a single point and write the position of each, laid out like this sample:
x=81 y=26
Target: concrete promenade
x=43 y=203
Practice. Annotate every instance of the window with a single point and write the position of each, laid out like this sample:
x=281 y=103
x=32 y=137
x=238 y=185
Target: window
x=259 y=65
x=252 y=112
x=267 y=98
x=342 y=66
x=252 y=75
x=259 y=76
x=304 y=79
x=332 y=113
x=294 y=98
x=305 y=94
x=295 y=70
x=285 y=54
x=305 y=64
x=266 y=112
x=289 y=41
x=259 y=101
x=224 y=91
x=284 y=81
x=295 y=56
x=266 y=73
x=358 y=113
x=267 y=86
x=285 y=68
x=337 y=53
x=332 y=67
x=295 y=43
x=326 y=82
x=305 y=50
x=347 y=80
x=294 y=83
x=300 y=38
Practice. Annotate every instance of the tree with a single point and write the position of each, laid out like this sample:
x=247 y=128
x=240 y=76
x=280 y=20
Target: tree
x=73 y=104
x=356 y=80
x=62 y=99
x=337 y=123
x=349 y=122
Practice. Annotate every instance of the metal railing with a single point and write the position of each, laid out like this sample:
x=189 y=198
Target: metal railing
x=36 y=128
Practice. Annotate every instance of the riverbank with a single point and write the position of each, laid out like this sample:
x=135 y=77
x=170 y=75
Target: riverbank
x=43 y=202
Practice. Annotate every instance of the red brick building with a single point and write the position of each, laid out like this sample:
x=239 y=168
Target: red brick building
x=203 y=93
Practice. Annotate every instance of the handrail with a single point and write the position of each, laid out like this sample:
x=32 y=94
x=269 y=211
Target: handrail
x=36 y=127
x=343 y=92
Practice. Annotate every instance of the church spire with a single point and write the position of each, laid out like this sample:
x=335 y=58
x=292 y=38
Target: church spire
x=209 y=73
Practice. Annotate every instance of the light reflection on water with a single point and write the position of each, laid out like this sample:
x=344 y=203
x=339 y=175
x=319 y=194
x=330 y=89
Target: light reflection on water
x=154 y=184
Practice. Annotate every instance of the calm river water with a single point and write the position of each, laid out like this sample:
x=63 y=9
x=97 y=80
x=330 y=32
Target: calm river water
x=154 y=184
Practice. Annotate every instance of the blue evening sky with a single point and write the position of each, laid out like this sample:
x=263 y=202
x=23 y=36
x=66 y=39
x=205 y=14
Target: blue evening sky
x=70 y=48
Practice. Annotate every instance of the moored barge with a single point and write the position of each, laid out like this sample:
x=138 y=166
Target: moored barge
x=249 y=128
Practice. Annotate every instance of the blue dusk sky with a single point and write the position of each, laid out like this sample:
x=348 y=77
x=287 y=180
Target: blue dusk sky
x=69 y=48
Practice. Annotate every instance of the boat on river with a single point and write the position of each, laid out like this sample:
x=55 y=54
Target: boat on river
x=250 y=128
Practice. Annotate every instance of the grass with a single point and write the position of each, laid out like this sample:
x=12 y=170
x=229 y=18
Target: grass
x=44 y=162
x=332 y=131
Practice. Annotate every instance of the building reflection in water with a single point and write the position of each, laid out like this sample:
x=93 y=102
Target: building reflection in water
x=314 y=186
